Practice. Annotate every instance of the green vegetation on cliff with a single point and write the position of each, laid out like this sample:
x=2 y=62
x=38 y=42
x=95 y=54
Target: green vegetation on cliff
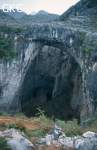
x=6 y=48
x=5 y=28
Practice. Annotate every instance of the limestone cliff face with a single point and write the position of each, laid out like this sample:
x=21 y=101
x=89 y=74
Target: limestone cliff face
x=56 y=68
x=82 y=8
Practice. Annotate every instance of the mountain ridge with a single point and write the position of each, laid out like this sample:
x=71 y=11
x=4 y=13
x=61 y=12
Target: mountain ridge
x=15 y=14
x=43 y=12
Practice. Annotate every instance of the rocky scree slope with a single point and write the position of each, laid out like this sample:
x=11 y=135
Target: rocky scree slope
x=56 y=67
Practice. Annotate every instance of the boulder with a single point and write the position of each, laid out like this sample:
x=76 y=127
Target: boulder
x=88 y=141
x=56 y=132
x=16 y=140
x=48 y=140
x=89 y=134
x=41 y=142
x=66 y=142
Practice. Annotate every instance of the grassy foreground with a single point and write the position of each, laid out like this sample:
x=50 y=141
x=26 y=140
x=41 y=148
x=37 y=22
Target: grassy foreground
x=41 y=125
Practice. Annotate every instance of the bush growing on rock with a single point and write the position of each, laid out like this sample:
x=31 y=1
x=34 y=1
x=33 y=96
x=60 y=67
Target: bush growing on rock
x=6 y=48
x=3 y=145
x=17 y=29
x=5 y=28
x=60 y=123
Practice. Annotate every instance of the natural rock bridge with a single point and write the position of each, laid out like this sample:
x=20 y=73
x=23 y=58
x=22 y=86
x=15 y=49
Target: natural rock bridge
x=50 y=71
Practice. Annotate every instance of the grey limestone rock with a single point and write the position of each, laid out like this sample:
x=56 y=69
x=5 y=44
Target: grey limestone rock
x=89 y=134
x=86 y=122
x=16 y=140
x=41 y=142
x=88 y=141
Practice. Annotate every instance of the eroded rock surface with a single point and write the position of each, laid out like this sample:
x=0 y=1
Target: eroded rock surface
x=16 y=140
x=88 y=141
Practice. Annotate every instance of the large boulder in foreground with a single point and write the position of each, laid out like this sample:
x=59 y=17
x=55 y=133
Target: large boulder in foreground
x=16 y=140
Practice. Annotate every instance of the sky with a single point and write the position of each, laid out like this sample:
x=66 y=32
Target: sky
x=51 y=6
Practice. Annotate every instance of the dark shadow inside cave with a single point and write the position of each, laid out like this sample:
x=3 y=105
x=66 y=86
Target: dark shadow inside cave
x=55 y=89
x=49 y=96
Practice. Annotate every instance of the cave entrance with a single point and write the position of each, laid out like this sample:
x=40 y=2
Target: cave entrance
x=53 y=82
x=35 y=97
x=49 y=96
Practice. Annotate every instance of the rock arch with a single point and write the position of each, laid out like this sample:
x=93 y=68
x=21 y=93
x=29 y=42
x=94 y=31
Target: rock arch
x=64 y=41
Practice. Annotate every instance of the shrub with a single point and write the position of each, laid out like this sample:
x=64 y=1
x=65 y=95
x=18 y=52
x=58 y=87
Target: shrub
x=3 y=145
x=3 y=125
x=13 y=53
x=46 y=28
x=82 y=34
x=88 y=50
x=1 y=112
x=72 y=128
x=19 y=115
x=17 y=125
x=40 y=112
x=43 y=119
x=29 y=133
x=93 y=120
x=6 y=48
x=22 y=39
x=10 y=39
x=18 y=30
x=59 y=123
x=39 y=133
x=46 y=129
x=20 y=126
x=54 y=28
x=5 y=28
x=93 y=124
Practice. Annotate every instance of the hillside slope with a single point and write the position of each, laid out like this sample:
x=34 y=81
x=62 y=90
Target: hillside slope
x=16 y=14
x=6 y=18
x=83 y=7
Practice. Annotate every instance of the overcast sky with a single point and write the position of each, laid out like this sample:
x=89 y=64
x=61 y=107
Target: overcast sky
x=51 y=6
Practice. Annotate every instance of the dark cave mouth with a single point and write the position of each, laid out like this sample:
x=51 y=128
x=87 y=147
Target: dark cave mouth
x=38 y=96
x=58 y=107
x=38 y=91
